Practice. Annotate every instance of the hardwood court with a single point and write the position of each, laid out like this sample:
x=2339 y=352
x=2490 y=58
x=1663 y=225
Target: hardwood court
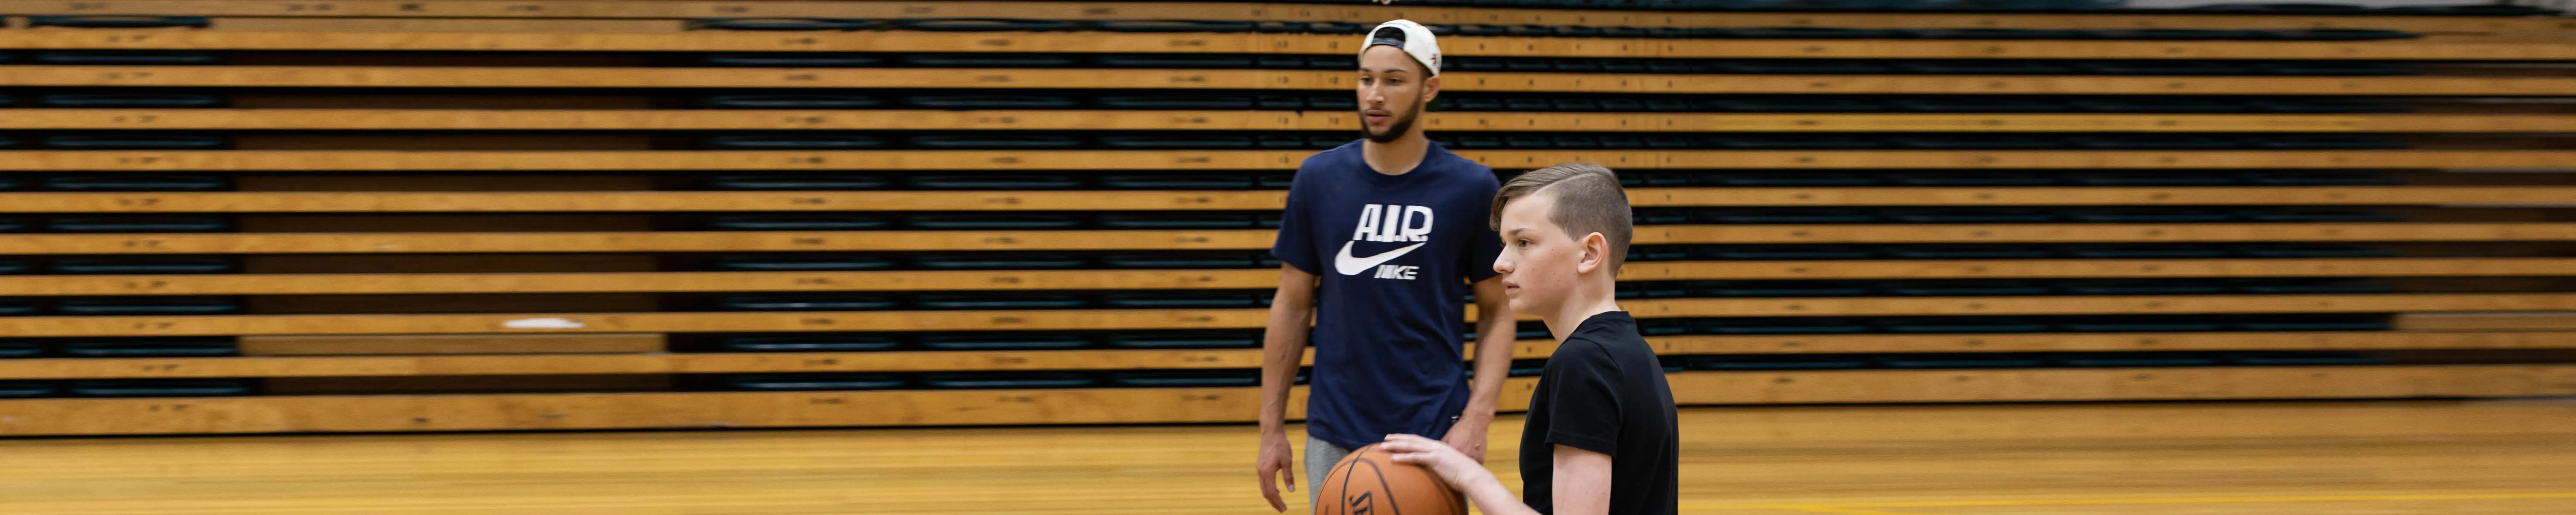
x=2481 y=457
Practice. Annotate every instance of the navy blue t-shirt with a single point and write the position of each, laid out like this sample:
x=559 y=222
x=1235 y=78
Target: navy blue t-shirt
x=1395 y=254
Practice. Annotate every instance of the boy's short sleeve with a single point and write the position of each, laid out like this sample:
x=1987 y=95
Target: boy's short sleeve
x=1583 y=408
x=1296 y=242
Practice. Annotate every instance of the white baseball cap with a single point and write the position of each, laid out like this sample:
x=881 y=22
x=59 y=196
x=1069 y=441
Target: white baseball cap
x=1411 y=37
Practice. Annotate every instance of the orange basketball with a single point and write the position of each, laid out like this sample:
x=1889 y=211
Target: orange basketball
x=1370 y=482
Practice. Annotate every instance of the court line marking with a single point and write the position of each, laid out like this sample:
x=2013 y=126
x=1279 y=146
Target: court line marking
x=1842 y=511
x=1863 y=507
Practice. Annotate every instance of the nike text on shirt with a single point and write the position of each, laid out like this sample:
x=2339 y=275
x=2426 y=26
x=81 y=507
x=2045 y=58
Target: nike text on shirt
x=1353 y=265
x=1391 y=222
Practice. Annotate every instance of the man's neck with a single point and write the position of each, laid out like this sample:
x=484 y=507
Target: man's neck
x=1396 y=157
x=1580 y=307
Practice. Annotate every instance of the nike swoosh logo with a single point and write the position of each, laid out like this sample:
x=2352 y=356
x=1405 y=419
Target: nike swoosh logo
x=1348 y=265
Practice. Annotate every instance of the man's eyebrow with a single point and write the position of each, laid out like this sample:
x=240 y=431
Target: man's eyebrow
x=1393 y=70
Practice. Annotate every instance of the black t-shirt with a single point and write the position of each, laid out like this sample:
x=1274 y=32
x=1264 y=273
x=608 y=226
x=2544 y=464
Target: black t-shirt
x=1604 y=392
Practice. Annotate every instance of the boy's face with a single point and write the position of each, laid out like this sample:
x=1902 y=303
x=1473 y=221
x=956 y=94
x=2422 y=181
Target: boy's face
x=1540 y=263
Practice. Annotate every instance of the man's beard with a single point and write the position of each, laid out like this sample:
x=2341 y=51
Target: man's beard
x=1396 y=130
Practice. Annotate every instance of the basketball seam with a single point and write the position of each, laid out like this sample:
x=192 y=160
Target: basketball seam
x=1340 y=506
x=1391 y=505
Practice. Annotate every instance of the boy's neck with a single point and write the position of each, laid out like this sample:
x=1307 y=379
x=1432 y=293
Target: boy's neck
x=1594 y=299
x=1396 y=157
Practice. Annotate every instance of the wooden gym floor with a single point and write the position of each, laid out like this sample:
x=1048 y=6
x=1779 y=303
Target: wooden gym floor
x=2477 y=457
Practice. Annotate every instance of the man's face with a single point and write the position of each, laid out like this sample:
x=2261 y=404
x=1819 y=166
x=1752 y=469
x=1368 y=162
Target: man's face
x=1539 y=261
x=1392 y=91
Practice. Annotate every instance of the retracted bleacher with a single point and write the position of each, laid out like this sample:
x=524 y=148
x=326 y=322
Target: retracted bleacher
x=243 y=217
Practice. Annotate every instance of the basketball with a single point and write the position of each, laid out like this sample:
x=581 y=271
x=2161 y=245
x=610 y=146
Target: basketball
x=1370 y=482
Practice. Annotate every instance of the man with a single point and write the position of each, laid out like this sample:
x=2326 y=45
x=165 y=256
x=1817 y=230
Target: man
x=1381 y=240
x=1601 y=436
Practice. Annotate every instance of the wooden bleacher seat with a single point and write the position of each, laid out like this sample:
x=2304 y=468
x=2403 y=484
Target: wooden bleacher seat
x=2234 y=202
x=2445 y=19
x=395 y=119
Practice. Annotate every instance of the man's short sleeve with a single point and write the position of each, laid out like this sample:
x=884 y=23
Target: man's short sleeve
x=1477 y=262
x=1479 y=255
x=1296 y=242
x=1583 y=407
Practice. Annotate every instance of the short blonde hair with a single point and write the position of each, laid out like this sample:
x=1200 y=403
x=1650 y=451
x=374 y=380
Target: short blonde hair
x=1588 y=200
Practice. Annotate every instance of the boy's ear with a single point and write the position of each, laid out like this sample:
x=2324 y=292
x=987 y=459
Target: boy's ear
x=1430 y=89
x=1596 y=253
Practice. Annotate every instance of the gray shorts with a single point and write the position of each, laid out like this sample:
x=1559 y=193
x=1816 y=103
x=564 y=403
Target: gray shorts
x=1320 y=458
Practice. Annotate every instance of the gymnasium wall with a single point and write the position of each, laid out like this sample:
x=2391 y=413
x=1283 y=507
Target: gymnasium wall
x=220 y=216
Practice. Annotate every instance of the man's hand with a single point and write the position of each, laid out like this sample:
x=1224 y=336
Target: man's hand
x=1454 y=468
x=1283 y=344
x=1468 y=436
x=1275 y=461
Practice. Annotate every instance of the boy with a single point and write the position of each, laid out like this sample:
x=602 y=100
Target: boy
x=1601 y=436
x=1380 y=248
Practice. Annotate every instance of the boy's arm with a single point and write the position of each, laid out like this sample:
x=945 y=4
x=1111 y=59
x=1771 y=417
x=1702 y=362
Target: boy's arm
x=1581 y=485
x=1585 y=415
x=1283 y=349
x=1462 y=474
x=1491 y=498
x=1495 y=330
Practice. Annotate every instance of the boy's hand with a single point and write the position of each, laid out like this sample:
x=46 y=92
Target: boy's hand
x=1275 y=462
x=1453 y=467
x=1468 y=436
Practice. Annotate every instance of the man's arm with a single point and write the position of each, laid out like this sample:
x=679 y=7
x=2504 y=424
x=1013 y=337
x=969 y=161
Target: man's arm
x=1495 y=334
x=1283 y=350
